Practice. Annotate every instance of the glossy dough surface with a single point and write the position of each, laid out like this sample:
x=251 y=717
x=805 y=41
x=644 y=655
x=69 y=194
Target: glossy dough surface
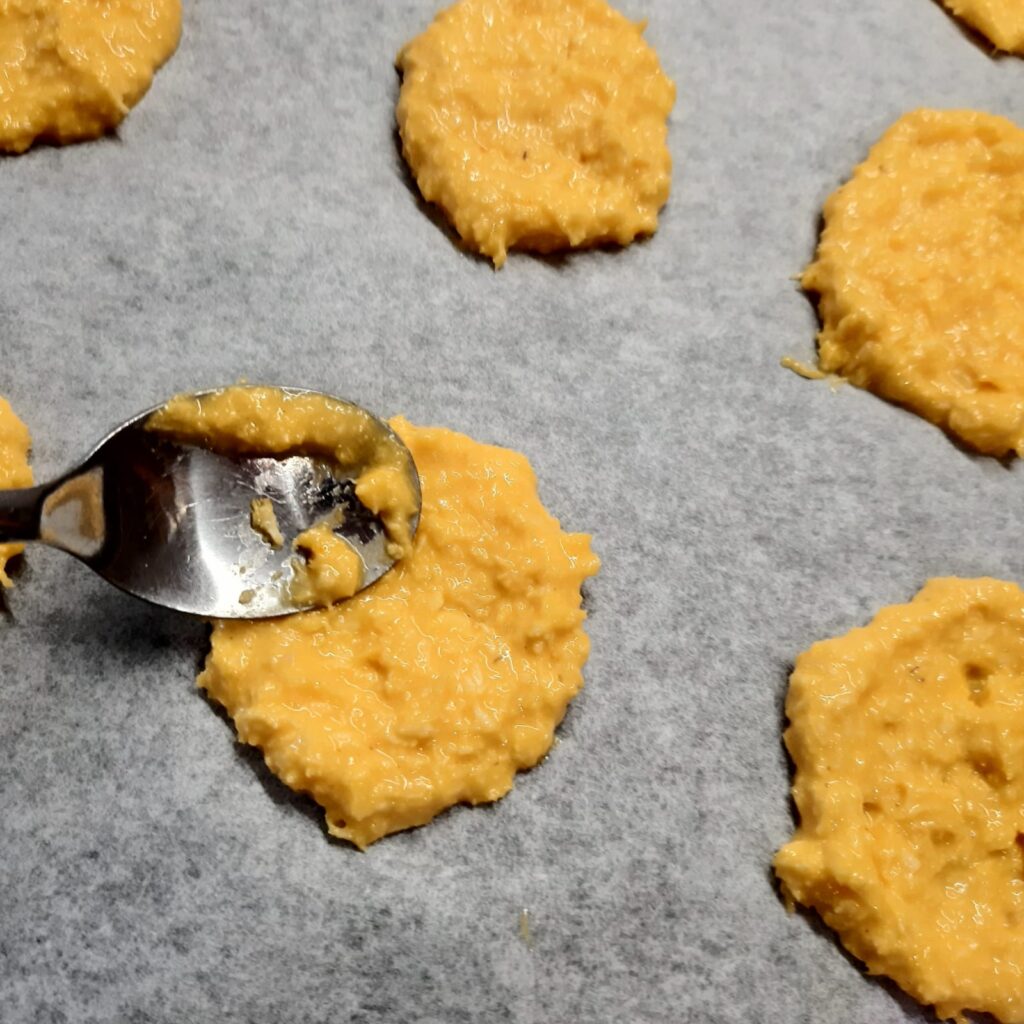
x=908 y=741
x=72 y=69
x=1001 y=21
x=537 y=124
x=919 y=275
x=438 y=683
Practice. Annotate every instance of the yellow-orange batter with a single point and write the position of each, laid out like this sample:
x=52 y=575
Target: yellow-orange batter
x=1001 y=21
x=14 y=470
x=263 y=519
x=329 y=570
x=537 y=124
x=908 y=741
x=919 y=275
x=438 y=683
x=72 y=69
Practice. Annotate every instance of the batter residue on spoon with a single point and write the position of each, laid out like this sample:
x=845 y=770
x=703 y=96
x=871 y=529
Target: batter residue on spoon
x=72 y=69
x=269 y=421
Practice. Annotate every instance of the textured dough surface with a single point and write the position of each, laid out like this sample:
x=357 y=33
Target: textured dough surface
x=919 y=276
x=14 y=470
x=537 y=124
x=1001 y=21
x=908 y=741
x=438 y=683
x=72 y=69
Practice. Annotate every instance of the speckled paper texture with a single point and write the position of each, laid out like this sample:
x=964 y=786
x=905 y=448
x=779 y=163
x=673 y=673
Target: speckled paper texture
x=252 y=218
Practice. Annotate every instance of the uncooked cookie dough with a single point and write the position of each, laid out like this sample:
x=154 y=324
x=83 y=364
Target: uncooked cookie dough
x=919 y=275
x=438 y=683
x=1001 y=21
x=14 y=470
x=72 y=69
x=908 y=741
x=537 y=124
x=330 y=569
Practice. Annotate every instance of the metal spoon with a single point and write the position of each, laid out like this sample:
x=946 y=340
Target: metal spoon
x=170 y=522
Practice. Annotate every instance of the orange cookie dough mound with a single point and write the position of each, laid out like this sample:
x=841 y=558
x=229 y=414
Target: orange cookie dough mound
x=442 y=680
x=908 y=741
x=14 y=470
x=537 y=124
x=72 y=69
x=919 y=275
x=1001 y=21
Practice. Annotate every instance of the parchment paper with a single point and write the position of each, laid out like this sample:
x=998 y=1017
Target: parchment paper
x=253 y=218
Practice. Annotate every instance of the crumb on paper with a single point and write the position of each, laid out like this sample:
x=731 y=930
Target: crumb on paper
x=524 y=928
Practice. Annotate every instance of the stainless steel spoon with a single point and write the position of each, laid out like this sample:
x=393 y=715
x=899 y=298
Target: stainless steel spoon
x=170 y=522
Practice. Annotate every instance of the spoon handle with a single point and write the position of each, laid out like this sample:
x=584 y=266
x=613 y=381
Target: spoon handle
x=67 y=513
x=20 y=512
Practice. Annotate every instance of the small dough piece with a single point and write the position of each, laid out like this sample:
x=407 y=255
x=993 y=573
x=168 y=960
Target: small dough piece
x=908 y=740
x=438 y=683
x=919 y=275
x=329 y=569
x=263 y=520
x=14 y=470
x=1001 y=21
x=72 y=69
x=537 y=124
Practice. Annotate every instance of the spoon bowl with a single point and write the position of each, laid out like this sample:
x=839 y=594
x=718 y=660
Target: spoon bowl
x=171 y=522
